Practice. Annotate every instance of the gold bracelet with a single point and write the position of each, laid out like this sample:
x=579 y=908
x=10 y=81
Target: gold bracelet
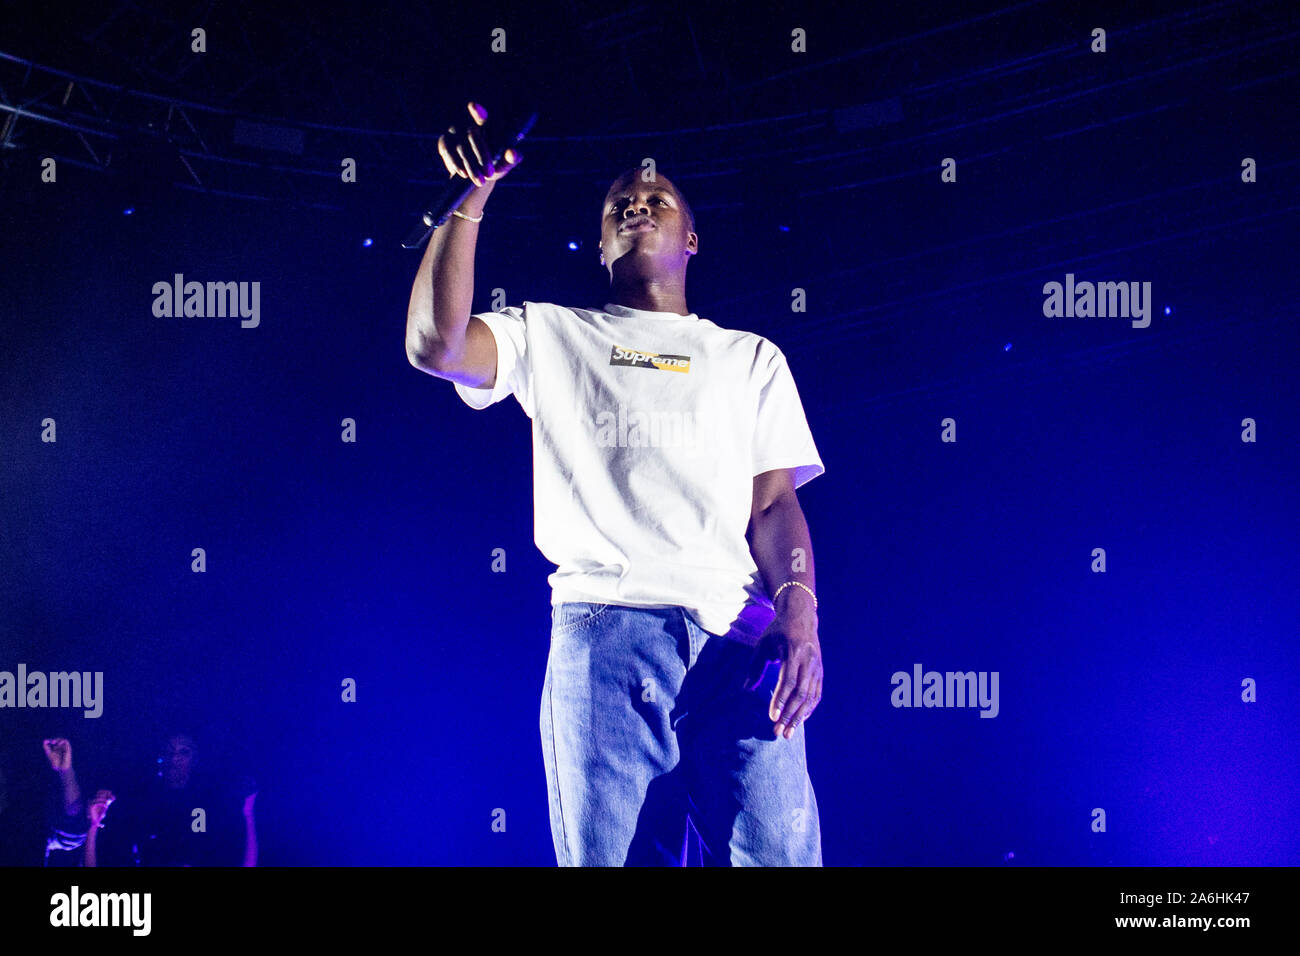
x=457 y=212
x=794 y=584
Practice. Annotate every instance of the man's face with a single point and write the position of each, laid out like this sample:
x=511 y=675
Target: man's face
x=646 y=220
x=178 y=760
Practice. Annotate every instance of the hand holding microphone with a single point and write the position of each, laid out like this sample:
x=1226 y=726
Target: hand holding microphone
x=474 y=167
x=466 y=153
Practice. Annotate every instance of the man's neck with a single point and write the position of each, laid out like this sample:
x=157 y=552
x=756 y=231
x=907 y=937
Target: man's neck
x=650 y=295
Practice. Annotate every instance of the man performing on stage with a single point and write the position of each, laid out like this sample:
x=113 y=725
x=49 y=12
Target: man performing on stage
x=667 y=451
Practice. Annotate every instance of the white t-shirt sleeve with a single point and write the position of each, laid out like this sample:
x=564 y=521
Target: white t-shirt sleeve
x=782 y=438
x=514 y=374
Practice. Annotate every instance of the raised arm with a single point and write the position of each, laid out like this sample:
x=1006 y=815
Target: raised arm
x=96 y=812
x=58 y=750
x=250 y=831
x=442 y=338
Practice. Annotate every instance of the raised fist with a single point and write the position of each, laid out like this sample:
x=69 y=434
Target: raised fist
x=59 y=753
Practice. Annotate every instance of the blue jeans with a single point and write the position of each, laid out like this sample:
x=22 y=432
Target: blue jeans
x=655 y=753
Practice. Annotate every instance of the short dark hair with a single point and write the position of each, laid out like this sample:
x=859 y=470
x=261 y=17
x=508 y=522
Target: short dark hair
x=166 y=739
x=686 y=206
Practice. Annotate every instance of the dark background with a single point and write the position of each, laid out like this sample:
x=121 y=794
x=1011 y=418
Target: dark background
x=817 y=171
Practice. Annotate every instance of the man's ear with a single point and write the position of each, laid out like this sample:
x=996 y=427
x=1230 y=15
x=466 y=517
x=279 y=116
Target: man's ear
x=692 y=243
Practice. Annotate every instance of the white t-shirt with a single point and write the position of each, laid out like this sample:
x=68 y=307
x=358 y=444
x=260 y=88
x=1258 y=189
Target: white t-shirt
x=648 y=430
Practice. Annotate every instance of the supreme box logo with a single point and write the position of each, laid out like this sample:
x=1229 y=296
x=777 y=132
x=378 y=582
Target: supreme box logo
x=668 y=363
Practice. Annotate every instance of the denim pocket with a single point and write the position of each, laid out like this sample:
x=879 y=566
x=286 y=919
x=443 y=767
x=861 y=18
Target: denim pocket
x=572 y=615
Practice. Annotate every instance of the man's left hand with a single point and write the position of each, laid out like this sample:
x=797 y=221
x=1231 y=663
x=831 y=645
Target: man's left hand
x=790 y=639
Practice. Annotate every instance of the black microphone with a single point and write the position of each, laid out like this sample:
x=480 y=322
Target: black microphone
x=439 y=211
